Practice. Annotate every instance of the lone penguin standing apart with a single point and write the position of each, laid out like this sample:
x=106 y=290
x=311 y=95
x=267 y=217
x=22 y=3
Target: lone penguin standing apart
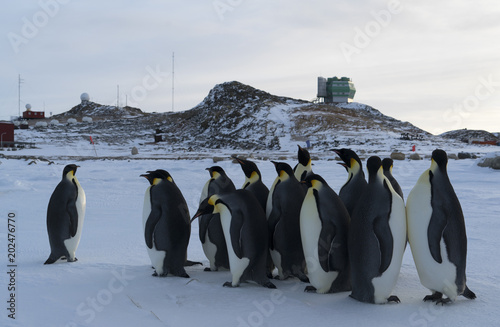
x=244 y=226
x=283 y=215
x=324 y=223
x=65 y=214
x=355 y=185
x=166 y=224
x=377 y=238
x=436 y=232
x=210 y=228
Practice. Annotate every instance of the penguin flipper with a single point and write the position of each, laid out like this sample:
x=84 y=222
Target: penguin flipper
x=384 y=236
x=272 y=221
x=73 y=217
x=203 y=227
x=325 y=246
x=437 y=224
x=151 y=223
x=235 y=231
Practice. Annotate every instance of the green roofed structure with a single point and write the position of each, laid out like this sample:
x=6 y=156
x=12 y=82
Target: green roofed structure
x=335 y=90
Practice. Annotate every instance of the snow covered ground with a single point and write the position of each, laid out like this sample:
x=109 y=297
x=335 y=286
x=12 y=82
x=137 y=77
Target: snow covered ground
x=111 y=283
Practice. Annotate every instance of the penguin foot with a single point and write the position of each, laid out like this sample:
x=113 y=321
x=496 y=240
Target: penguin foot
x=469 y=294
x=434 y=297
x=183 y=275
x=268 y=285
x=229 y=284
x=190 y=263
x=310 y=289
x=393 y=298
x=155 y=274
x=443 y=301
x=74 y=260
x=303 y=278
x=208 y=269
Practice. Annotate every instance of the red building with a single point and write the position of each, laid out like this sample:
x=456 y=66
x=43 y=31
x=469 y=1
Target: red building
x=28 y=114
x=6 y=133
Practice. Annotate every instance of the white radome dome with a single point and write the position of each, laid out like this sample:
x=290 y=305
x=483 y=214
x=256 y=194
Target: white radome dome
x=28 y=106
x=85 y=97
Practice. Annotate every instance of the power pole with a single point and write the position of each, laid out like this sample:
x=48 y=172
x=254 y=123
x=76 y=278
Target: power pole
x=118 y=97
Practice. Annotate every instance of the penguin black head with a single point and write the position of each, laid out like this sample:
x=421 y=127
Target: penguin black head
x=160 y=173
x=313 y=177
x=217 y=169
x=347 y=155
x=149 y=177
x=440 y=158
x=248 y=167
x=303 y=156
x=373 y=165
x=69 y=168
x=283 y=166
x=207 y=206
x=387 y=164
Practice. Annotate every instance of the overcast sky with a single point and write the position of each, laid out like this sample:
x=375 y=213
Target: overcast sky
x=433 y=63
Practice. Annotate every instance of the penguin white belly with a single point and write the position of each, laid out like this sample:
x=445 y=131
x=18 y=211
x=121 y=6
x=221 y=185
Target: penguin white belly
x=236 y=265
x=269 y=203
x=310 y=229
x=276 y=256
x=71 y=243
x=384 y=284
x=435 y=276
x=210 y=249
x=157 y=257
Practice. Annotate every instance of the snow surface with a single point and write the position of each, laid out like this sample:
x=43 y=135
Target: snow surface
x=111 y=283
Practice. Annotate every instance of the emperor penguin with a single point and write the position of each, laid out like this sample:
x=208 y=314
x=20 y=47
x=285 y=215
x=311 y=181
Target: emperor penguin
x=210 y=228
x=283 y=215
x=244 y=226
x=166 y=224
x=253 y=181
x=377 y=238
x=304 y=167
x=324 y=223
x=387 y=164
x=356 y=184
x=436 y=233
x=65 y=214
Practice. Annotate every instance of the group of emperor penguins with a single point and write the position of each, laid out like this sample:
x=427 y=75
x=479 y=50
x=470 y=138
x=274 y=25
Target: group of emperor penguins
x=353 y=241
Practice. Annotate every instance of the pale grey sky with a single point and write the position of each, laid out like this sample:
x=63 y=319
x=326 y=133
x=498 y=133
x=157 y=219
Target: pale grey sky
x=433 y=63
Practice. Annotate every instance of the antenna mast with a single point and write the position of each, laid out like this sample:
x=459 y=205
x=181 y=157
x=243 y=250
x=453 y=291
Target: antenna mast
x=19 y=94
x=172 y=81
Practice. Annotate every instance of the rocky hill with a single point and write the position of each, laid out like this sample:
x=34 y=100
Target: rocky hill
x=237 y=116
x=234 y=115
x=99 y=111
x=464 y=135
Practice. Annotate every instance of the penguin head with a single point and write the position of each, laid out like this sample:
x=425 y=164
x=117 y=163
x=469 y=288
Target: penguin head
x=387 y=164
x=216 y=172
x=315 y=181
x=304 y=156
x=207 y=206
x=440 y=159
x=249 y=168
x=158 y=175
x=71 y=170
x=165 y=175
x=351 y=161
x=283 y=169
x=374 y=166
